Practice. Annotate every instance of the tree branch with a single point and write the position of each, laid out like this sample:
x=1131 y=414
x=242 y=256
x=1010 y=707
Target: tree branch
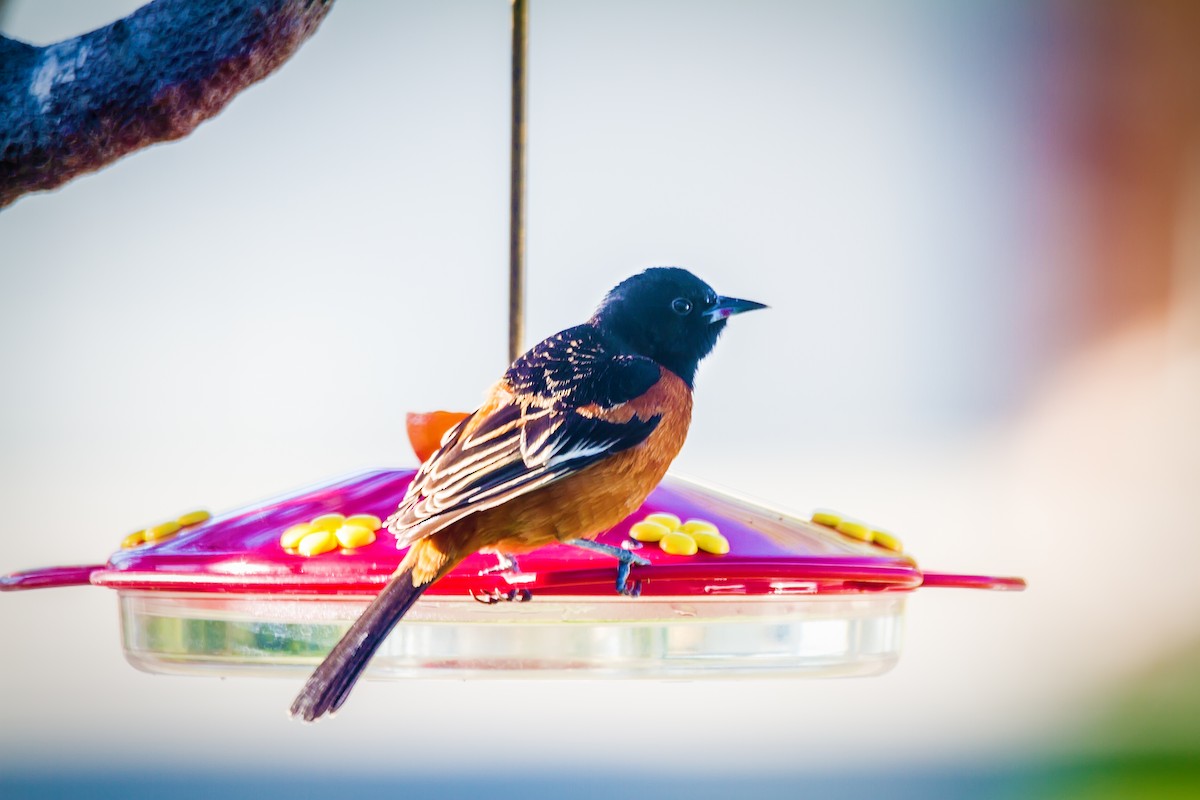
x=74 y=106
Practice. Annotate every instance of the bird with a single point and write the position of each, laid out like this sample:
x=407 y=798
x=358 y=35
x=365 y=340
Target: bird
x=570 y=441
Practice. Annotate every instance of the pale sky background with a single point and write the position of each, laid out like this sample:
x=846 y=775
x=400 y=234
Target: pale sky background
x=211 y=322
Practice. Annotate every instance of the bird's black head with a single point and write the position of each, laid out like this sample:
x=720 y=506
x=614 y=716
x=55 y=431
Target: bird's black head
x=669 y=315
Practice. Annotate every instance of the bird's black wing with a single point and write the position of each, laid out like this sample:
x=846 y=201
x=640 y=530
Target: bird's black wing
x=550 y=424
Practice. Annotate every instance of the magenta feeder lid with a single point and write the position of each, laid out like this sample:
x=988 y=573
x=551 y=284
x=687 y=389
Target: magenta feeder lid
x=731 y=588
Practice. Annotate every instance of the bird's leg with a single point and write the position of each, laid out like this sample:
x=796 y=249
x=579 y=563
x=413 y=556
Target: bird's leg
x=505 y=562
x=625 y=559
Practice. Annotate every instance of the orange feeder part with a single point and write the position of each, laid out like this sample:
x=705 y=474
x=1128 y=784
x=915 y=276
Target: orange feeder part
x=425 y=431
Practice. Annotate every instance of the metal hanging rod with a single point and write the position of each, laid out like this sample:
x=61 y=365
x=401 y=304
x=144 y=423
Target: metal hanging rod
x=516 y=228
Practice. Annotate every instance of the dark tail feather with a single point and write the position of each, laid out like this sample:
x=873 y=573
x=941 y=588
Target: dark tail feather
x=330 y=684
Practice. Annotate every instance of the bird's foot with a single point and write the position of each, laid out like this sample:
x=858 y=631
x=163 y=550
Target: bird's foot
x=504 y=563
x=625 y=560
x=497 y=596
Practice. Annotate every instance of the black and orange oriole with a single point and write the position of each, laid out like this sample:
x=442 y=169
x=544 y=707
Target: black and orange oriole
x=567 y=444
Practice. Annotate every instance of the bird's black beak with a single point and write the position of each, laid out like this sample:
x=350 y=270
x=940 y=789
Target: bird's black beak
x=726 y=307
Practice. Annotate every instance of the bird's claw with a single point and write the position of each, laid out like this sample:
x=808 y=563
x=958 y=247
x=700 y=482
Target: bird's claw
x=496 y=596
x=624 y=586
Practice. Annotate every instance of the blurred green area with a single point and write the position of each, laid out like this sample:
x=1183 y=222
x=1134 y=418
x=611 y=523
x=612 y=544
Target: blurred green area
x=1157 y=713
x=1143 y=743
x=1122 y=777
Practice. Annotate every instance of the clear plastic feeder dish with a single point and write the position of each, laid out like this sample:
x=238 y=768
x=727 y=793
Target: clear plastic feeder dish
x=740 y=591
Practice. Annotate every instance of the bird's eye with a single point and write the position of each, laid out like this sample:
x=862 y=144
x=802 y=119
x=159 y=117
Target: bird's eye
x=681 y=306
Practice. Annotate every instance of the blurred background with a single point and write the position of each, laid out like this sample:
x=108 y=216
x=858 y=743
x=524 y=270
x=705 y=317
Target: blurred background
x=977 y=225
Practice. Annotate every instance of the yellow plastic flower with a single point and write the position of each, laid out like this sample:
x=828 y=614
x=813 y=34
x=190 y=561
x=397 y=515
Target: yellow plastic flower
x=680 y=538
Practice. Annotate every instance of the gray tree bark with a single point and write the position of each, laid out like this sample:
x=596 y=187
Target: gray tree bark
x=74 y=106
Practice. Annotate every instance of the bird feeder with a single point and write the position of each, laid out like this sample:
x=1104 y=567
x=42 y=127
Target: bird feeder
x=731 y=589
